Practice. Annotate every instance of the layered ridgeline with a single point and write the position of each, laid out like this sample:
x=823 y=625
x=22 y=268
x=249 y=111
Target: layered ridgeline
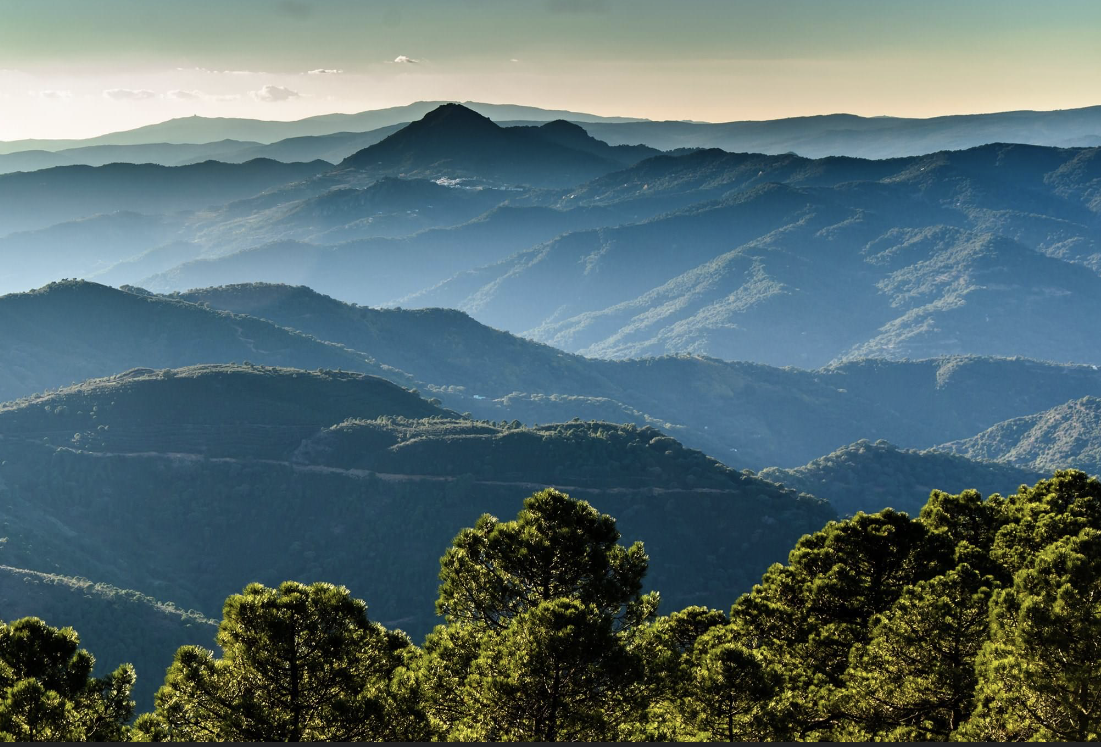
x=871 y=476
x=817 y=136
x=1067 y=436
x=42 y=198
x=449 y=168
x=67 y=332
x=119 y=626
x=200 y=130
x=733 y=255
x=929 y=251
x=458 y=143
x=744 y=414
x=242 y=474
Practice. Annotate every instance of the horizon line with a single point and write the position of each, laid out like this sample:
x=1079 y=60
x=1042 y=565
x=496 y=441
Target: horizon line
x=570 y=111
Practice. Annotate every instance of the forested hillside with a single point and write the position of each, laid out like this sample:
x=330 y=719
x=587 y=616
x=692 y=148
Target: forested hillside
x=255 y=473
x=746 y=415
x=869 y=477
x=118 y=625
x=974 y=621
x=1065 y=436
x=71 y=331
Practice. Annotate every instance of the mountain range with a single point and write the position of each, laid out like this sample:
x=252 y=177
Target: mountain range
x=814 y=136
x=322 y=354
x=736 y=256
x=186 y=484
x=1066 y=436
x=747 y=415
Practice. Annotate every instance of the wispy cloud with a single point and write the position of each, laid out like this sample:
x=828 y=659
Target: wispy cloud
x=129 y=94
x=275 y=93
x=219 y=72
x=180 y=95
x=323 y=71
x=403 y=59
x=52 y=95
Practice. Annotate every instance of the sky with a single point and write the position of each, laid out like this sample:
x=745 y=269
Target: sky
x=78 y=68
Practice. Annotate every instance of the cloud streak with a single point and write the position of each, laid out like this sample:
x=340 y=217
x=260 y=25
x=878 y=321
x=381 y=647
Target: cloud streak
x=324 y=71
x=129 y=94
x=52 y=95
x=402 y=59
x=273 y=94
x=219 y=72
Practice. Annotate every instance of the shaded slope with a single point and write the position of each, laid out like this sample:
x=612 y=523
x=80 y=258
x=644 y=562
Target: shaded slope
x=41 y=198
x=380 y=270
x=195 y=527
x=214 y=410
x=117 y=626
x=869 y=477
x=746 y=414
x=454 y=141
x=68 y=332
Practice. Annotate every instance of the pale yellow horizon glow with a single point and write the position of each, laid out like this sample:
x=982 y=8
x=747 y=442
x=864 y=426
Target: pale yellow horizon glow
x=66 y=72
x=58 y=105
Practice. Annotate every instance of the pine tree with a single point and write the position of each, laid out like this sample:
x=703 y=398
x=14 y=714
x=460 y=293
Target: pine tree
x=1038 y=672
x=803 y=618
x=727 y=696
x=914 y=680
x=47 y=692
x=540 y=614
x=665 y=648
x=551 y=675
x=298 y=663
x=556 y=548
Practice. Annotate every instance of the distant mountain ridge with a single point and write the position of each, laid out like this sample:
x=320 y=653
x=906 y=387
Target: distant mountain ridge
x=867 y=476
x=810 y=136
x=38 y=199
x=456 y=142
x=197 y=130
x=1065 y=437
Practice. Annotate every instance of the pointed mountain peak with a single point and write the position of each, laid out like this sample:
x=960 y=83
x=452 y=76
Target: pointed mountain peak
x=456 y=116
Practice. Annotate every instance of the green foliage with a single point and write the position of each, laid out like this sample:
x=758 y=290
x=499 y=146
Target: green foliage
x=540 y=614
x=879 y=628
x=47 y=692
x=665 y=647
x=805 y=617
x=556 y=548
x=120 y=625
x=1038 y=671
x=730 y=686
x=915 y=678
x=298 y=663
x=554 y=673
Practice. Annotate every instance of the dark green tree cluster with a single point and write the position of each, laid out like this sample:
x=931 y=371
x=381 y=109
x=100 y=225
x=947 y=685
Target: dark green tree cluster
x=979 y=620
x=47 y=692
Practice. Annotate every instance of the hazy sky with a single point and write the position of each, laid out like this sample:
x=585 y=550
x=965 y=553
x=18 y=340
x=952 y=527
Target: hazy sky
x=76 y=68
